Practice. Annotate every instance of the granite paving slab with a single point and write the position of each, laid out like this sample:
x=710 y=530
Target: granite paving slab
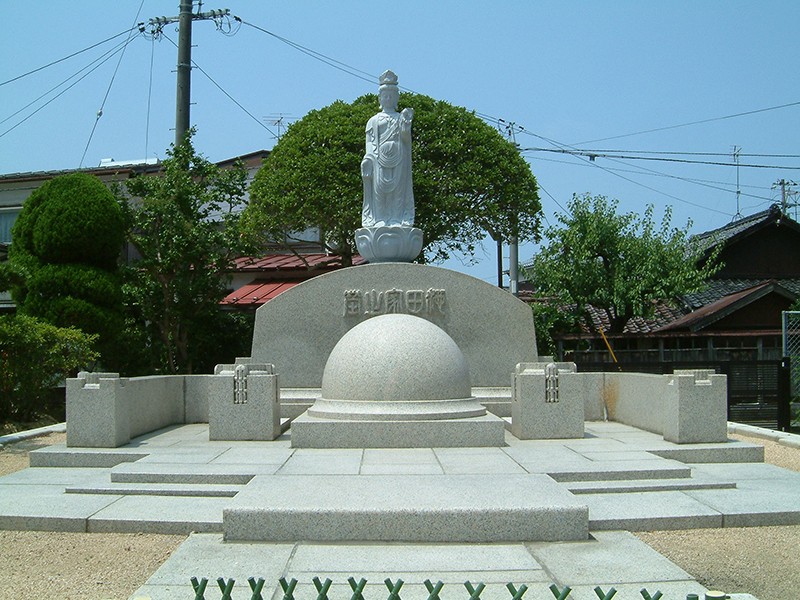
x=33 y=507
x=648 y=511
x=463 y=461
x=344 y=461
x=56 y=476
x=750 y=507
x=646 y=485
x=746 y=471
x=254 y=455
x=61 y=456
x=158 y=514
x=160 y=489
x=205 y=555
x=609 y=557
x=619 y=470
x=462 y=508
x=189 y=473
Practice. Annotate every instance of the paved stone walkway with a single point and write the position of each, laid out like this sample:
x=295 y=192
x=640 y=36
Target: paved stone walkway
x=619 y=478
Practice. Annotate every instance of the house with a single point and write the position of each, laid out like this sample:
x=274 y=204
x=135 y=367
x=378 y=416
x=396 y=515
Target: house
x=736 y=316
x=15 y=188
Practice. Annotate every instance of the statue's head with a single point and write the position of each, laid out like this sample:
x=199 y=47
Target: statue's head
x=388 y=92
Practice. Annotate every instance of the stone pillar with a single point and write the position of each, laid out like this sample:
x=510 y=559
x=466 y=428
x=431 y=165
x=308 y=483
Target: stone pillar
x=244 y=403
x=97 y=414
x=542 y=407
x=696 y=407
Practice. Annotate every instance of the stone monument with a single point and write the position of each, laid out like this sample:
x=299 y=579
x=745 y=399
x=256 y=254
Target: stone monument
x=388 y=233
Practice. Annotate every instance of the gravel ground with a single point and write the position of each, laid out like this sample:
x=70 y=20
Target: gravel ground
x=763 y=561
x=74 y=566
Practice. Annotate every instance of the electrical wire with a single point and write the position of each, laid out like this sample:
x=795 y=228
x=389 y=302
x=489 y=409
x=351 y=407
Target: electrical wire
x=628 y=179
x=231 y=98
x=108 y=54
x=741 y=114
x=101 y=60
x=650 y=172
x=691 y=153
x=55 y=62
x=593 y=155
x=110 y=83
x=332 y=62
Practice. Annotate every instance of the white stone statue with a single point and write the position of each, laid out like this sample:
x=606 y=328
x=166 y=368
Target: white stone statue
x=387 y=217
x=386 y=168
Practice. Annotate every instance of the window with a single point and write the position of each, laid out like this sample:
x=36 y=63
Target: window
x=7 y=218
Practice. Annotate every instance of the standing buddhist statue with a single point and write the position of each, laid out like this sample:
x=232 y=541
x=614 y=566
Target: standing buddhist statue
x=387 y=219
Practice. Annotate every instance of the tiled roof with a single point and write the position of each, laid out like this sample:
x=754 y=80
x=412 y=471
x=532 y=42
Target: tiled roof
x=716 y=289
x=257 y=292
x=664 y=314
x=291 y=261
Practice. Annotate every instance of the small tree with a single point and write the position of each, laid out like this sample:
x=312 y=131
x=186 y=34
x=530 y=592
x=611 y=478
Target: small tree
x=34 y=357
x=620 y=263
x=66 y=243
x=183 y=224
x=467 y=179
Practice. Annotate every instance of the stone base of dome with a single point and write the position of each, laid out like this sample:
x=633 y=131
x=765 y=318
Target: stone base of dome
x=475 y=432
x=407 y=410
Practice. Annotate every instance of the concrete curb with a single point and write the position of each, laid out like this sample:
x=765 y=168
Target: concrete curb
x=791 y=440
x=12 y=438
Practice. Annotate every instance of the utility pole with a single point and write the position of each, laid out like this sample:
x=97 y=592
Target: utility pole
x=183 y=96
x=785 y=194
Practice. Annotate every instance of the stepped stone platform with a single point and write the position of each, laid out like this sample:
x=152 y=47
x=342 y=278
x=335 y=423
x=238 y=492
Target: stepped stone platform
x=267 y=497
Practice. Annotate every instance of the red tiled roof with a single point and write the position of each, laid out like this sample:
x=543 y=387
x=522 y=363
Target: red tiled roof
x=291 y=261
x=257 y=292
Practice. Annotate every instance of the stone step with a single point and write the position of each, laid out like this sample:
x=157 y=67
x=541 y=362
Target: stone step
x=732 y=452
x=405 y=508
x=204 y=490
x=646 y=485
x=621 y=471
x=173 y=473
x=61 y=456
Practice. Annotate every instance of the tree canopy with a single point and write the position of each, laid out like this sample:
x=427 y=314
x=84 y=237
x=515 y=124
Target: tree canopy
x=468 y=179
x=67 y=240
x=183 y=224
x=620 y=263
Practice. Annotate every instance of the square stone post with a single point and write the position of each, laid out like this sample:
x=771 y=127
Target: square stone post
x=696 y=409
x=244 y=403
x=547 y=402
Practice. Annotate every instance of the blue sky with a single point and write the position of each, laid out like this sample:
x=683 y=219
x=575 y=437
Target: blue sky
x=572 y=74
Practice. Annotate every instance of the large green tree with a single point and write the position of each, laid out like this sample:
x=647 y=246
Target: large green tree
x=66 y=245
x=468 y=179
x=183 y=224
x=622 y=263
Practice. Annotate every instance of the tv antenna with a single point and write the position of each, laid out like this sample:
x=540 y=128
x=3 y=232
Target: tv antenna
x=279 y=121
x=736 y=152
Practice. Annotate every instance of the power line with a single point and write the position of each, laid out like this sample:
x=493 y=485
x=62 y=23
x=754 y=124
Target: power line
x=592 y=156
x=674 y=153
x=231 y=98
x=55 y=62
x=741 y=114
x=101 y=60
x=641 y=171
x=105 y=56
x=110 y=83
x=332 y=62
